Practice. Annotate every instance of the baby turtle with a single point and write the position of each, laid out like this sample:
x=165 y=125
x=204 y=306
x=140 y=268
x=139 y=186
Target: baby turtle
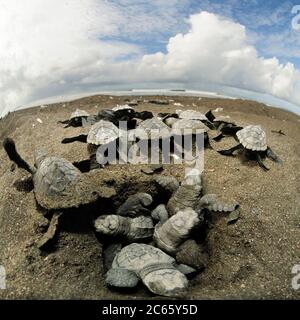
x=173 y=232
x=129 y=229
x=186 y=196
x=58 y=184
x=157 y=270
x=190 y=126
x=77 y=119
x=253 y=143
x=189 y=195
x=101 y=133
x=136 y=204
x=153 y=128
x=223 y=124
x=191 y=115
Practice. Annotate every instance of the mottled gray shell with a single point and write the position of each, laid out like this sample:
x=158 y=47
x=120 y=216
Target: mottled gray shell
x=155 y=268
x=190 y=124
x=54 y=177
x=132 y=229
x=153 y=128
x=78 y=113
x=58 y=184
x=102 y=132
x=253 y=137
x=191 y=115
x=172 y=233
x=170 y=121
x=186 y=196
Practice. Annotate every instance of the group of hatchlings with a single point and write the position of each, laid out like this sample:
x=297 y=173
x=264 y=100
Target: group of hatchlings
x=143 y=240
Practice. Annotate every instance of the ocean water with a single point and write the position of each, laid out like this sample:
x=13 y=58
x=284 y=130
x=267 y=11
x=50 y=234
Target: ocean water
x=228 y=93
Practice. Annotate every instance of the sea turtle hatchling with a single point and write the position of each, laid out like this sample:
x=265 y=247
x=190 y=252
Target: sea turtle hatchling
x=191 y=115
x=153 y=128
x=77 y=119
x=253 y=143
x=194 y=115
x=102 y=133
x=223 y=124
x=170 y=234
x=58 y=184
x=135 y=205
x=191 y=127
x=190 y=195
x=157 y=270
x=129 y=229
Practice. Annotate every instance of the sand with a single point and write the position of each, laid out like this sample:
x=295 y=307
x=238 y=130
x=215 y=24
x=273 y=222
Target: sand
x=251 y=259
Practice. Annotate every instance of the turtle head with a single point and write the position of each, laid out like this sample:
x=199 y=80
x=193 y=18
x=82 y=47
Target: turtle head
x=109 y=225
x=40 y=156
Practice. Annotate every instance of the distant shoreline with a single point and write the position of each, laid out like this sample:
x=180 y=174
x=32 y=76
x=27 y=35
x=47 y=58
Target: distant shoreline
x=159 y=92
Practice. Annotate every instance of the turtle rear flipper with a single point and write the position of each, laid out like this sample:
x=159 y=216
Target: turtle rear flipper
x=83 y=165
x=218 y=137
x=271 y=155
x=121 y=278
x=64 y=121
x=80 y=138
x=260 y=162
x=229 y=152
x=211 y=202
x=10 y=148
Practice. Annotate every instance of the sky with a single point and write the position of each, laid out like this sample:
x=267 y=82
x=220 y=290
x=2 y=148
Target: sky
x=61 y=47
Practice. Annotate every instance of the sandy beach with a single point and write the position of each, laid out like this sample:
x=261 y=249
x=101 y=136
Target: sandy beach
x=251 y=259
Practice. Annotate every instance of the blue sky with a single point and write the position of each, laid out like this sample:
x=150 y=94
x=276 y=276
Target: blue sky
x=60 y=47
x=268 y=23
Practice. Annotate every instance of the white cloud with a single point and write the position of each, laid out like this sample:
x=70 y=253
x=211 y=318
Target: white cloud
x=45 y=43
x=54 y=47
x=216 y=50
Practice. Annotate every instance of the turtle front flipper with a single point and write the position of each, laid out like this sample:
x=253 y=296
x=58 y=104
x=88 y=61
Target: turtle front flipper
x=218 y=137
x=271 y=155
x=210 y=116
x=121 y=278
x=64 y=121
x=211 y=202
x=231 y=130
x=80 y=138
x=10 y=148
x=260 y=162
x=229 y=152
